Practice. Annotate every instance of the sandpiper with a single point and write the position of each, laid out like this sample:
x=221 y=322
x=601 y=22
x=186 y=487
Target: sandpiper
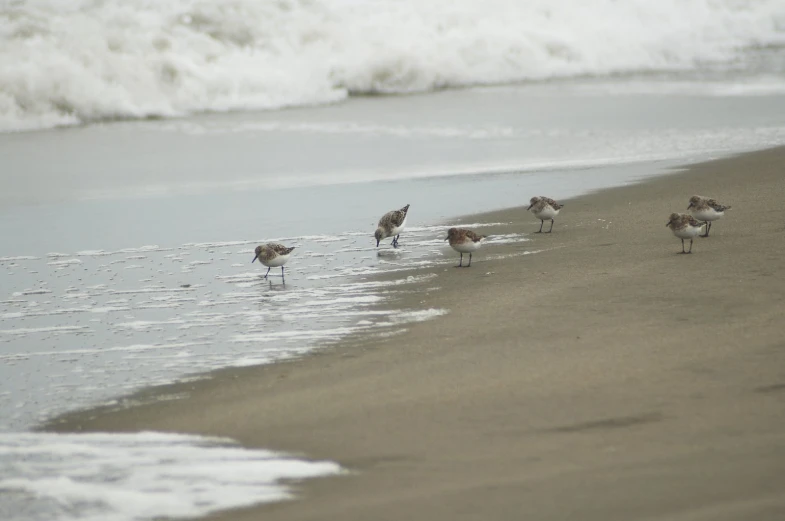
x=707 y=210
x=391 y=225
x=272 y=255
x=544 y=209
x=684 y=226
x=464 y=241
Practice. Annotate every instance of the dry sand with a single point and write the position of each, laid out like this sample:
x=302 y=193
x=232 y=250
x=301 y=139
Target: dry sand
x=605 y=378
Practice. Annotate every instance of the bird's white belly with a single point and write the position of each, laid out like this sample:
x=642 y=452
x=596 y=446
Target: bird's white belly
x=277 y=262
x=466 y=247
x=546 y=213
x=688 y=232
x=707 y=215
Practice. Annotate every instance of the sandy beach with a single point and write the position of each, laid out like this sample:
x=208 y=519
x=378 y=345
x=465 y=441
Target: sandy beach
x=604 y=378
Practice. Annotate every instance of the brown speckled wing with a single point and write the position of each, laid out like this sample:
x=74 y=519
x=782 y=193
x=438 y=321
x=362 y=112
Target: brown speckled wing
x=397 y=217
x=394 y=218
x=386 y=220
x=280 y=249
x=473 y=236
x=400 y=216
x=688 y=219
x=716 y=206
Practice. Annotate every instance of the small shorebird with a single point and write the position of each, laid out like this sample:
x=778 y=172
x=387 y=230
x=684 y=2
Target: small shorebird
x=464 y=241
x=272 y=255
x=544 y=209
x=684 y=226
x=391 y=225
x=707 y=210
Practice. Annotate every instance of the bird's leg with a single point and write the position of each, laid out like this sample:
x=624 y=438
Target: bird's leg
x=541 y=224
x=460 y=263
x=282 y=276
x=690 y=246
x=268 y=272
x=708 y=228
x=470 y=261
x=551 y=229
x=682 y=246
x=395 y=241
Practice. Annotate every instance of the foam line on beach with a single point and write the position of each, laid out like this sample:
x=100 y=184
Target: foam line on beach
x=140 y=476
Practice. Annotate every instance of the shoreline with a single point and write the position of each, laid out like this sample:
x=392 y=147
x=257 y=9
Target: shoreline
x=597 y=370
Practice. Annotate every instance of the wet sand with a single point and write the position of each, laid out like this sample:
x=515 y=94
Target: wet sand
x=604 y=378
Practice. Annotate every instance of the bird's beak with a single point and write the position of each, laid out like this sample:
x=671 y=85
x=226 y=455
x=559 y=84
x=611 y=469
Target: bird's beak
x=667 y=223
x=254 y=258
x=690 y=206
x=377 y=242
x=446 y=237
x=530 y=207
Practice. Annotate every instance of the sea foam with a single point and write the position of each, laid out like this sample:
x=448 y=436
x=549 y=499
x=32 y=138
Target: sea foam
x=67 y=63
x=146 y=475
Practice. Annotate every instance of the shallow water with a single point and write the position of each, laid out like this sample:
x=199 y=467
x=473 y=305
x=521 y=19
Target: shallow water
x=278 y=165
x=80 y=328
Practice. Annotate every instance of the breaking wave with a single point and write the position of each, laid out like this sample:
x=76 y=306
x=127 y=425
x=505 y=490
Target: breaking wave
x=68 y=62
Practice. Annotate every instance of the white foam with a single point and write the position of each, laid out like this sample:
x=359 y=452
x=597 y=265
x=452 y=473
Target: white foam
x=64 y=262
x=322 y=334
x=108 y=309
x=17 y=258
x=50 y=329
x=144 y=325
x=144 y=249
x=66 y=64
x=149 y=290
x=104 y=253
x=49 y=312
x=211 y=245
x=114 y=349
x=510 y=255
x=444 y=227
x=241 y=277
x=421 y=315
x=507 y=238
x=93 y=253
x=76 y=296
x=359 y=299
x=142 y=476
x=38 y=291
x=757 y=86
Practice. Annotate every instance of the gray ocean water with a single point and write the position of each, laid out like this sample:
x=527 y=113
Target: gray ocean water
x=128 y=226
x=127 y=247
